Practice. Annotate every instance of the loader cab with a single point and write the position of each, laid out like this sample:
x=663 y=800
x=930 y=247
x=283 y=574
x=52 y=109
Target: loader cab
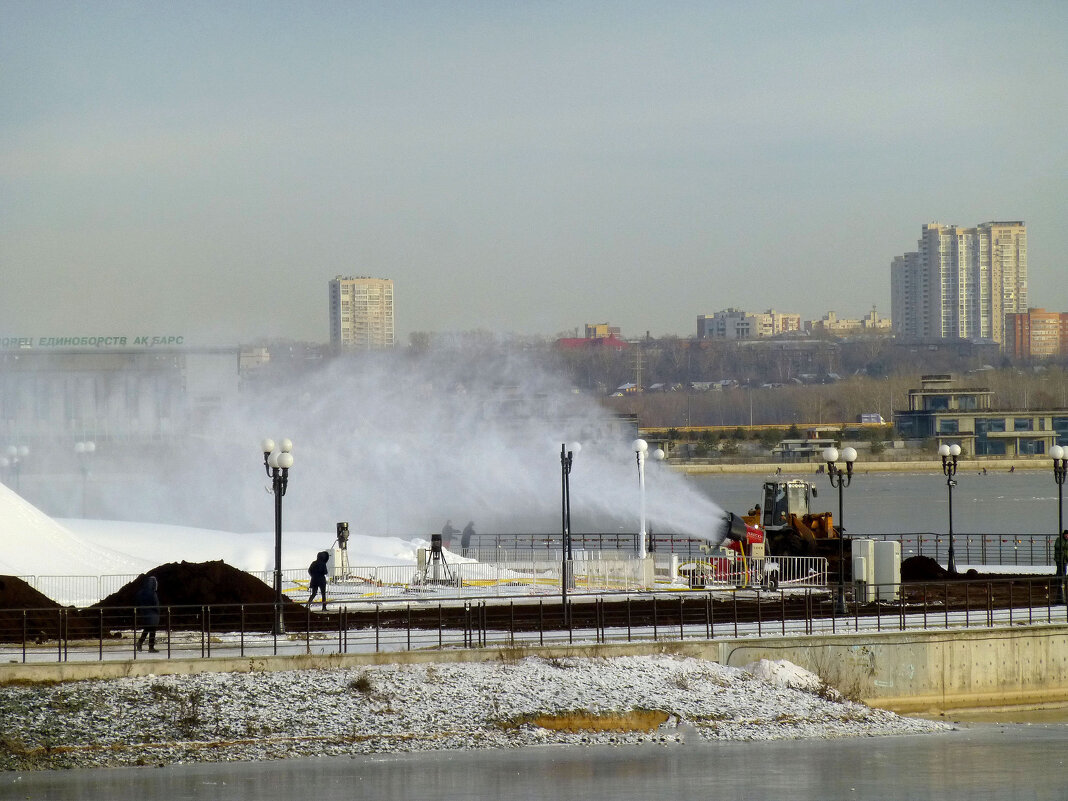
x=785 y=498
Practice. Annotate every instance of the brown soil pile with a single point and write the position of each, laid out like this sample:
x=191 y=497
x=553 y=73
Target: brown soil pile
x=17 y=594
x=24 y=612
x=197 y=583
x=923 y=568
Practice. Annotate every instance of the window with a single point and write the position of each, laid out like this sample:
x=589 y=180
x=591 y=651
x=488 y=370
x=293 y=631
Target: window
x=1023 y=424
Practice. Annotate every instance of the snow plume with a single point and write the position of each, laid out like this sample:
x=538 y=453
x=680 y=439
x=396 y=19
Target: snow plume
x=397 y=443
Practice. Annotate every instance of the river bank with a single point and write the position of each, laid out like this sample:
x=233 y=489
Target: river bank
x=210 y=717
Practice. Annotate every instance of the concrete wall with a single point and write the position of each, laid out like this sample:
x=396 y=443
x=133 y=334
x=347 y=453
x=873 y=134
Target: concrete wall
x=902 y=671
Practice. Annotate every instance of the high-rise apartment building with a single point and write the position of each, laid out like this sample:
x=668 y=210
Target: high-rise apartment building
x=960 y=282
x=361 y=312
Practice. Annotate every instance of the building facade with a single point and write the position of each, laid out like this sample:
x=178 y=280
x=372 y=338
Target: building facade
x=361 y=313
x=960 y=283
x=955 y=415
x=1036 y=334
x=737 y=324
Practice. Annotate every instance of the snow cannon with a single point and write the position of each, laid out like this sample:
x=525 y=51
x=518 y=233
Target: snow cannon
x=739 y=536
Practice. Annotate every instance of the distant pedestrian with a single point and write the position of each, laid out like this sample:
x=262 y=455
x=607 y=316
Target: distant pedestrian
x=1060 y=557
x=465 y=538
x=446 y=533
x=147 y=602
x=1060 y=553
x=317 y=571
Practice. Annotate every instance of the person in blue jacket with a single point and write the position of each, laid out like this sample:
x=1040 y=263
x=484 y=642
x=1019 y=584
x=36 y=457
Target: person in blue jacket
x=147 y=602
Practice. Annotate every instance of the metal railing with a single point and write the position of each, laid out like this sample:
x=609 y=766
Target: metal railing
x=65 y=635
x=1016 y=550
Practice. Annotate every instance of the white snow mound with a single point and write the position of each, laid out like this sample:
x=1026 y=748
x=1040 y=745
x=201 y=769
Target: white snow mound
x=784 y=674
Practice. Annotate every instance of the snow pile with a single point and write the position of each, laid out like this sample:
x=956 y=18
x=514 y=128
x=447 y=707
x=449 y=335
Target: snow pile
x=388 y=708
x=34 y=545
x=781 y=673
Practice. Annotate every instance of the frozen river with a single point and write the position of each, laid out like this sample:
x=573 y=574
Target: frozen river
x=970 y=764
x=1022 y=502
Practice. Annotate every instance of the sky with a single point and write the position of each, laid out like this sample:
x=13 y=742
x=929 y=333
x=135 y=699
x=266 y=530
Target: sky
x=203 y=169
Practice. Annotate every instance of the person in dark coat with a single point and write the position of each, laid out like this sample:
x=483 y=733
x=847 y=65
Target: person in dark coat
x=147 y=602
x=317 y=571
x=465 y=538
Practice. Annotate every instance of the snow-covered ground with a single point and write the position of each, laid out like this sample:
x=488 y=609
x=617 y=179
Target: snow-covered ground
x=35 y=544
x=248 y=716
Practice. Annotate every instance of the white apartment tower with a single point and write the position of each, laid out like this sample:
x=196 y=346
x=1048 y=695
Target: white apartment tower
x=960 y=282
x=361 y=313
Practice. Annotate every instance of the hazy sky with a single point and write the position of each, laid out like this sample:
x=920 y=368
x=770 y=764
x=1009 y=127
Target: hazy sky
x=205 y=168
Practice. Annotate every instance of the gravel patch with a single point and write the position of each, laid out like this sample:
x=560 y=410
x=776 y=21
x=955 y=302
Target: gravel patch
x=392 y=708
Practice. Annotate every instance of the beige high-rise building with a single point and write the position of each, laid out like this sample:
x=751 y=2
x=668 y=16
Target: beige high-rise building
x=960 y=282
x=361 y=313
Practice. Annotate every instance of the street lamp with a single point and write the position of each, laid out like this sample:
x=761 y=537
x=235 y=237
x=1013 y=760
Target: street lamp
x=83 y=449
x=277 y=461
x=641 y=447
x=1060 y=468
x=949 y=454
x=839 y=480
x=566 y=458
x=15 y=454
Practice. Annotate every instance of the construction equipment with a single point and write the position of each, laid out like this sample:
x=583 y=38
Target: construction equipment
x=789 y=527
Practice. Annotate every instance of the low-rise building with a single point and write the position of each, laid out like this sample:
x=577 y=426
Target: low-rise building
x=951 y=414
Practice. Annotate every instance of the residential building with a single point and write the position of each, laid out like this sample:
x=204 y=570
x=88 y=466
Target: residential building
x=830 y=323
x=1036 y=334
x=601 y=331
x=951 y=414
x=737 y=324
x=960 y=282
x=361 y=313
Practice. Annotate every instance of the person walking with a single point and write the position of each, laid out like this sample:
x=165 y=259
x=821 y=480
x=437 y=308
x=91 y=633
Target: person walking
x=465 y=538
x=147 y=603
x=317 y=571
x=1060 y=557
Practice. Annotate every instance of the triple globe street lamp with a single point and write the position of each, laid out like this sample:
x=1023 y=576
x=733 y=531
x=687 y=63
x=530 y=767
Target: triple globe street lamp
x=13 y=456
x=84 y=450
x=1060 y=468
x=839 y=480
x=950 y=454
x=276 y=461
x=641 y=448
x=566 y=458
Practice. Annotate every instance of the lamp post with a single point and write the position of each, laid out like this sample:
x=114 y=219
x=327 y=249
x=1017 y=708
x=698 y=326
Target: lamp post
x=566 y=458
x=83 y=449
x=949 y=454
x=641 y=447
x=1060 y=468
x=15 y=454
x=277 y=461
x=839 y=480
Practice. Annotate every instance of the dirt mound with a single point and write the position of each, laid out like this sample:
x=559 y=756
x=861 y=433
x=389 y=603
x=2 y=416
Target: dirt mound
x=24 y=612
x=197 y=583
x=923 y=568
x=17 y=594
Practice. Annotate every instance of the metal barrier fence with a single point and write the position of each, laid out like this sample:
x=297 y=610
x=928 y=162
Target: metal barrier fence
x=981 y=548
x=1017 y=550
x=64 y=635
x=480 y=579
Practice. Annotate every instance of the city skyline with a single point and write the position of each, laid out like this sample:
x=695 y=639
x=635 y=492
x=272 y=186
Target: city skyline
x=202 y=171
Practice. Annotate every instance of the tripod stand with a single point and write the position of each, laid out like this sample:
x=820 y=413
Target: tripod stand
x=436 y=570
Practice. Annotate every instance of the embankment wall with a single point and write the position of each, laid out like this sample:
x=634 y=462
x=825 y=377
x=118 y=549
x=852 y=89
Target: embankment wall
x=908 y=672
